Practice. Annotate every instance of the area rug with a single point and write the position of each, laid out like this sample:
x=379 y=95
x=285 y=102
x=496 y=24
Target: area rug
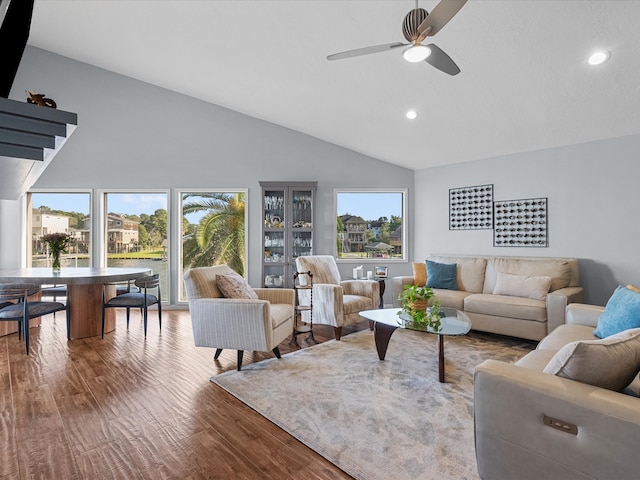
x=377 y=419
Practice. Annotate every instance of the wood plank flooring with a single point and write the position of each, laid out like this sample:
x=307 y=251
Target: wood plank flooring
x=129 y=408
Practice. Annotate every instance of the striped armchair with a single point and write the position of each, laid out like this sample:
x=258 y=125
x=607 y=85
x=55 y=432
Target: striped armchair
x=335 y=302
x=239 y=324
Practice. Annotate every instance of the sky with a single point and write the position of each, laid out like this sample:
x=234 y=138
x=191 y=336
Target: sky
x=370 y=205
x=127 y=203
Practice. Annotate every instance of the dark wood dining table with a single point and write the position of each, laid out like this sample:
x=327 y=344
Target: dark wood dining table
x=84 y=292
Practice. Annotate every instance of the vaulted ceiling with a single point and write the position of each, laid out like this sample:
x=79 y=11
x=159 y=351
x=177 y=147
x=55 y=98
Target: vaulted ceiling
x=525 y=83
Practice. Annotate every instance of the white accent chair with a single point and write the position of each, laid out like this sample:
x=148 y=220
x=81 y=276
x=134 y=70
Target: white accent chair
x=240 y=324
x=335 y=302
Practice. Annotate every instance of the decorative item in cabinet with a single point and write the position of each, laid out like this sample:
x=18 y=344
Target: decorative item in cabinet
x=302 y=244
x=288 y=228
x=299 y=326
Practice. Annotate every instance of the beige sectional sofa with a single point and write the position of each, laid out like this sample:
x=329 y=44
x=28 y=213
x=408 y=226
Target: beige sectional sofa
x=518 y=316
x=532 y=425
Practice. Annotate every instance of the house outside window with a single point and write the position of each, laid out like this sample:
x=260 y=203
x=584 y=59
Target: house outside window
x=370 y=224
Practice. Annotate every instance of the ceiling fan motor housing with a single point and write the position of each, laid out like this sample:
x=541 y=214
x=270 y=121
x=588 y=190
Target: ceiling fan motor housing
x=411 y=22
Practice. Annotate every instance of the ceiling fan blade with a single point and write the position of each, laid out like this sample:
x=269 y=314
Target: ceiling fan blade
x=441 y=61
x=365 y=51
x=440 y=16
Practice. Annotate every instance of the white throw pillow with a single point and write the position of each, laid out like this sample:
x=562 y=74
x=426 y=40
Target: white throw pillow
x=526 y=286
x=610 y=363
x=234 y=286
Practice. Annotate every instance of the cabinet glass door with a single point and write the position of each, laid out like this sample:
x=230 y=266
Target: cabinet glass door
x=275 y=254
x=301 y=222
x=274 y=209
x=287 y=229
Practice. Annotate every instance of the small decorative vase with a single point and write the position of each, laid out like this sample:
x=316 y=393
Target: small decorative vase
x=55 y=264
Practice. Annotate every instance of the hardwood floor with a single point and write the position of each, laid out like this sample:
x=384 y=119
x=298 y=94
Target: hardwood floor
x=129 y=408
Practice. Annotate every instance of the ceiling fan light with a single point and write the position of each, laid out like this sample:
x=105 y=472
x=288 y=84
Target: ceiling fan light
x=416 y=53
x=599 y=57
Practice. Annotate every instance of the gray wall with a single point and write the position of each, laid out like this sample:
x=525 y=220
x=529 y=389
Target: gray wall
x=593 y=200
x=134 y=135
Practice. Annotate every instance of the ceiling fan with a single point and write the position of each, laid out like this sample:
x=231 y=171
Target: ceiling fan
x=418 y=24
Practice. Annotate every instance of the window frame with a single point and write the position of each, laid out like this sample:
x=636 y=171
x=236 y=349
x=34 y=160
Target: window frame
x=102 y=230
x=404 y=192
x=28 y=257
x=177 y=232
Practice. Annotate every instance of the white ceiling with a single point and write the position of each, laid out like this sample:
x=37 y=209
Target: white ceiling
x=524 y=85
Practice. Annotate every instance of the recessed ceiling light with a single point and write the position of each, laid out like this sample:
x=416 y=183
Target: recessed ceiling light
x=412 y=114
x=599 y=57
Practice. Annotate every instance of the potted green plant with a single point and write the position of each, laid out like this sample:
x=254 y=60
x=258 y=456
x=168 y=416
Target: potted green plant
x=415 y=305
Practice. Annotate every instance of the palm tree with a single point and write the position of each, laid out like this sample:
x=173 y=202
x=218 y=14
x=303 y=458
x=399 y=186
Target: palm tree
x=219 y=236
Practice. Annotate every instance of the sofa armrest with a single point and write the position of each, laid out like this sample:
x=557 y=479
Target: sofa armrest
x=276 y=295
x=582 y=314
x=512 y=441
x=557 y=302
x=363 y=288
x=230 y=323
x=397 y=285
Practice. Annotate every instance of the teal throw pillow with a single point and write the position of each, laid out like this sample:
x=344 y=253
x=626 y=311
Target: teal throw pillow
x=442 y=275
x=621 y=313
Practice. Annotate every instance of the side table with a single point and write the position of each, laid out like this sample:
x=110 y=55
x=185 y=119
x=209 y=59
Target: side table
x=300 y=327
x=382 y=283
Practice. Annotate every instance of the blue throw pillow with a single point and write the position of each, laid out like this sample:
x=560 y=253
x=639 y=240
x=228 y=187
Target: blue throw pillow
x=621 y=313
x=442 y=275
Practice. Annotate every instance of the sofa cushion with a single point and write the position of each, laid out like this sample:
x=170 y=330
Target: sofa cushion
x=633 y=288
x=610 y=363
x=451 y=298
x=536 y=360
x=441 y=275
x=469 y=271
x=564 y=334
x=233 y=285
x=504 y=306
x=622 y=312
x=355 y=304
x=526 y=286
x=558 y=269
x=419 y=274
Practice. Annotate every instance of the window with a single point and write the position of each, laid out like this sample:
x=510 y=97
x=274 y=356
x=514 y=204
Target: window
x=370 y=224
x=136 y=226
x=60 y=212
x=213 y=230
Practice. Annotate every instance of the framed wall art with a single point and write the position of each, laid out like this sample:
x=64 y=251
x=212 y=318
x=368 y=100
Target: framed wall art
x=520 y=223
x=471 y=208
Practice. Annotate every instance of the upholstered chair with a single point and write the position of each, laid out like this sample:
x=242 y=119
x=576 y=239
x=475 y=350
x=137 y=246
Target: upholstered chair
x=253 y=324
x=335 y=302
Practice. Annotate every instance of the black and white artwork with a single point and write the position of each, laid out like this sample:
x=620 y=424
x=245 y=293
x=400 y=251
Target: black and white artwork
x=520 y=223
x=471 y=208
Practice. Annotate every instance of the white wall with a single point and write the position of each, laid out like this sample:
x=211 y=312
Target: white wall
x=134 y=135
x=11 y=234
x=593 y=200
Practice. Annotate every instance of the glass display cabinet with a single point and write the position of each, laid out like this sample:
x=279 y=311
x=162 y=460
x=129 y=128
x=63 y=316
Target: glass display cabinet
x=287 y=229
